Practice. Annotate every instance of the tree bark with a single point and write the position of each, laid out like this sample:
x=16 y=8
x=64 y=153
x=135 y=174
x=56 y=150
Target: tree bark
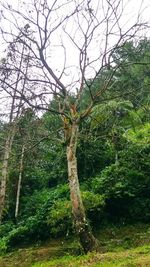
x=4 y=172
x=87 y=240
x=19 y=182
x=11 y=133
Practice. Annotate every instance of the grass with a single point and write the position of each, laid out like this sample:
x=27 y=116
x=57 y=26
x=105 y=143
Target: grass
x=128 y=258
x=125 y=246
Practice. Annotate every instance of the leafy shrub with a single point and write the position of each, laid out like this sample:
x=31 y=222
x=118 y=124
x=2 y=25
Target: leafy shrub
x=93 y=201
x=59 y=217
x=117 y=181
x=17 y=235
x=5 y=229
x=3 y=246
x=41 y=200
x=126 y=187
x=32 y=222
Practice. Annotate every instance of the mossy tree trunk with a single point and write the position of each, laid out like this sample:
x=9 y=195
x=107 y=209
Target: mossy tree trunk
x=82 y=227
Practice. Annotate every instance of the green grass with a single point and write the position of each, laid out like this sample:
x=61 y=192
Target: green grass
x=133 y=257
x=124 y=246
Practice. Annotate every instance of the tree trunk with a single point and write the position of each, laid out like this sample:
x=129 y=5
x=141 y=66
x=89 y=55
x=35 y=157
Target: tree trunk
x=19 y=182
x=4 y=172
x=87 y=240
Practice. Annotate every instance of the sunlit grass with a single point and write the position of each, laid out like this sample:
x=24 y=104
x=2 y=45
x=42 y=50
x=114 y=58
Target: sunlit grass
x=132 y=257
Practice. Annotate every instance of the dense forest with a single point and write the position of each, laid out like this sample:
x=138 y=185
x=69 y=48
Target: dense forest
x=113 y=160
x=82 y=162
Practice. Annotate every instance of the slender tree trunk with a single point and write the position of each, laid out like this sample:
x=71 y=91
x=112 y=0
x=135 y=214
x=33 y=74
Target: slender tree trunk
x=87 y=240
x=9 y=140
x=4 y=172
x=19 y=182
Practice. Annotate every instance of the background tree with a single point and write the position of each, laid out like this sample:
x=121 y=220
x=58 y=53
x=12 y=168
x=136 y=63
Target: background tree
x=26 y=139
x=9 y=76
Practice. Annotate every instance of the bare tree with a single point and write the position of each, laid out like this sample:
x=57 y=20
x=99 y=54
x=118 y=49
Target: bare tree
x=19 y=181
x=12 y=77
x=27 y=130
x=70 y=44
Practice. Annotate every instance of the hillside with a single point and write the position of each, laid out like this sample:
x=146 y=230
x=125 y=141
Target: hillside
x=120 y=246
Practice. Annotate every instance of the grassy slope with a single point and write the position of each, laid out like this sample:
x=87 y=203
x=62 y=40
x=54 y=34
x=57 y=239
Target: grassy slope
x=120 y=246
x=133 y=257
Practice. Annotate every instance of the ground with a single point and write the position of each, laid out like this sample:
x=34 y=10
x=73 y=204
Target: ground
x=124 y=246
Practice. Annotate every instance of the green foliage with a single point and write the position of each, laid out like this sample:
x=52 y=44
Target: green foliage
x=48 y=214
x=119 y=181
x=59 y=217
x=17 y=235
x=132 y=78
x=141 y=135
x=112 y=153
x=44 y=211
x=33 y=223
x=103 y=112
x=32 y=204
x=126 y=185
x=3 y=246
x=11 y=235
x=93 y=155
x=5 y=228
x=93 y=202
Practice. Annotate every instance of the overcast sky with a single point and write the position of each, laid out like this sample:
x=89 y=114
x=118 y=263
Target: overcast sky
x=131 y=9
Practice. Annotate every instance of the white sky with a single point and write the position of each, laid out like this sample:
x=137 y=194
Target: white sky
x=131 y=9
x=56 y=52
